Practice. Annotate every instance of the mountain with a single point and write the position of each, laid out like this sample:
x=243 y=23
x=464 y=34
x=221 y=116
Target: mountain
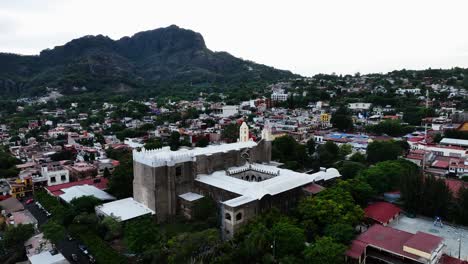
x=147 y=60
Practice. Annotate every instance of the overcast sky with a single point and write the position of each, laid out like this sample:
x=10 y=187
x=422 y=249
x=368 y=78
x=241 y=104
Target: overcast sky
x=306 y=37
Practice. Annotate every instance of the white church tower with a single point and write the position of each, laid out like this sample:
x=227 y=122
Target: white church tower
x=243 y=133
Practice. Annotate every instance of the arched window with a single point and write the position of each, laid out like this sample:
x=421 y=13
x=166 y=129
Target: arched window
x=238 y=216
x=253 y=178
x=259 y=179
x=227 y=216
x=247 y=177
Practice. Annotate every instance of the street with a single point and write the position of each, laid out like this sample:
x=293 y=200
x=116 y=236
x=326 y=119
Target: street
x=66 y=247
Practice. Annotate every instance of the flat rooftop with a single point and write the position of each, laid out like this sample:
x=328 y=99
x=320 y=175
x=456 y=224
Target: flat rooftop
x=251 y=190
x=164 y=156
x=124 y=209
x=84 y=190
x=449 y=233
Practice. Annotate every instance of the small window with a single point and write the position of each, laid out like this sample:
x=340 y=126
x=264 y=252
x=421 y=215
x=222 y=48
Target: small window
x=238 y=216
x=227 y=216
x=52 y=179
x=178 y=171
x=63 y=178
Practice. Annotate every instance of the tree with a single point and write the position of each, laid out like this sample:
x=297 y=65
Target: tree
x=230 y=133
x=342 y=120
x=206 y=210
x=340 y=232
x=392 y=128
x=383 y=150
x=15 y=236
x=325 y=250
x=387 y=176
x=174 y=140
x=345 y=150
x=142 y=235
x=106 y=173
x=311 y=146
x=350 y=169
x=288 y=239
x=328 y=154
x=462 y=206
x=153 y=144
x=192 y=247
x=53 y=231
x=121 y=182
x=333 y=205
x=203 y=142
x=85 y=204
x=112 y=226
x=287 y=150
x=358 y=157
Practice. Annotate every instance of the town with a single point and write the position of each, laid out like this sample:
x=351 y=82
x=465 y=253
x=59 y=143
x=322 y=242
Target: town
x=332 y=169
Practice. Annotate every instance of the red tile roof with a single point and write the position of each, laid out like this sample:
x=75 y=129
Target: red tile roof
x=381 y=212
x=56 y=190
x=357 y=249
x=388 y=239
x=424 y=242
x=314 y=188
x=440 y=164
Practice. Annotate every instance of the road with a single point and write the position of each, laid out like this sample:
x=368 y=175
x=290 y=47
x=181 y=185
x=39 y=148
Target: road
x=66 y=247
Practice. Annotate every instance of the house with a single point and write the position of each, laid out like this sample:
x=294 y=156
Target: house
x=78 y=191
x=395 y=246
x=382 y=212
x=57 y=190
x=39 y=250
x=359 y=106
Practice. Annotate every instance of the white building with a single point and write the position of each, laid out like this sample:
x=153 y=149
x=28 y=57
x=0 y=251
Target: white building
x=55 y=175
x=279 y=96
x=359 y=106
x=40 y=251
x=123 y=210
x=414 y=91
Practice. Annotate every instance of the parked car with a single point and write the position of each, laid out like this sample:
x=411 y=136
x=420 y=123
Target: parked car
x=83 y=249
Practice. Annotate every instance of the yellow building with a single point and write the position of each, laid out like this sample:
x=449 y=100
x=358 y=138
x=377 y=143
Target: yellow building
x=325 y=118
x=21 y=187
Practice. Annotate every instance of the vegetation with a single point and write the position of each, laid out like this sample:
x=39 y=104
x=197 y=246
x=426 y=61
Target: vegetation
x=288 y=151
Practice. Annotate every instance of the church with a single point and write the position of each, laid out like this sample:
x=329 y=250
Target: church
x=239 y=176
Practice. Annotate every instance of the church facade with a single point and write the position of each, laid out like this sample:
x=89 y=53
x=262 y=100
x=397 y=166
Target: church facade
x=239 y=176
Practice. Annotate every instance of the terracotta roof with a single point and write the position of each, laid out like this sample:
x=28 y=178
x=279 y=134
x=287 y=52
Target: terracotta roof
x=440 y=164
x=424 y=242
x=357 y=249
x=313 y=188
x=391 y=240
x=56 y=190
x=381 y=212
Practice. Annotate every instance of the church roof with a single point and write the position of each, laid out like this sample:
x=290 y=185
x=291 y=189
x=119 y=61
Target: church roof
x=251 y=191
